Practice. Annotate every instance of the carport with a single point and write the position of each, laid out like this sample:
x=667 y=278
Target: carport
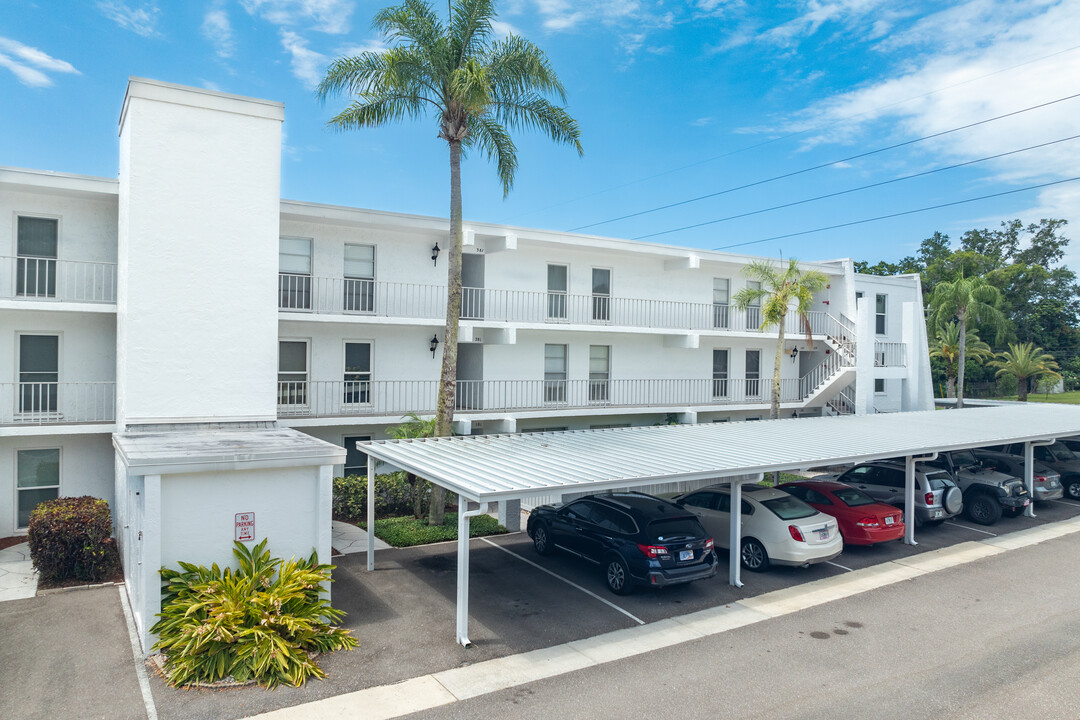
x=499 y=468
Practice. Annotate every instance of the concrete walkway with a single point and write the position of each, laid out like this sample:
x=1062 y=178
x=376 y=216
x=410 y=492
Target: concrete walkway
x=17 y=577
x=348 y=539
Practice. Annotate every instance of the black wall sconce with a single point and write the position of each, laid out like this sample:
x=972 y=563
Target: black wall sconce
x=435 y=254
x=794 y=353
x=433 y=344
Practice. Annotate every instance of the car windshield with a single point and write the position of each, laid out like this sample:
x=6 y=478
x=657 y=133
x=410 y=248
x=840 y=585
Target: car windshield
x=672 y=529
x=1061 y=452
x=963 y=458
x=789 y=508
x=853 y=498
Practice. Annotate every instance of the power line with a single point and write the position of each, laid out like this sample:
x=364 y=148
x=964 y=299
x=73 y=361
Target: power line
x=797 y=133
x=824 y=165
x=857 y=189
x=894 y=215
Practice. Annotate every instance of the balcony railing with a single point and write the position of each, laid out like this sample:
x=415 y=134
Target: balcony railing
x=890 y=354
x=49 y=279
x=41 y=403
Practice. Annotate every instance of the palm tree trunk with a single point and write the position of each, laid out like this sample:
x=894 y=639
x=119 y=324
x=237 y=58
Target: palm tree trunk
x=950 y=386
x=962 y=361
x=1021 y=389
x=774 y=411
x=444 y=414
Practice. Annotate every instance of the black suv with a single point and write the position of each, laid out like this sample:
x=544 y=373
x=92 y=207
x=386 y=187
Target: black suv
x=636 y=538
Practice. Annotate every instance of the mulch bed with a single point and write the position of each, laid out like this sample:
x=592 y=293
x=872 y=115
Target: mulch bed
x=13 y=540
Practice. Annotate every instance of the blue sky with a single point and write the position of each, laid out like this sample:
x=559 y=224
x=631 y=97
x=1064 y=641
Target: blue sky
x=675 y=100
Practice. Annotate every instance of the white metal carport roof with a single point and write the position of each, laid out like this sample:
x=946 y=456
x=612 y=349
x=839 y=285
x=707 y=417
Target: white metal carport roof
x=501 y=467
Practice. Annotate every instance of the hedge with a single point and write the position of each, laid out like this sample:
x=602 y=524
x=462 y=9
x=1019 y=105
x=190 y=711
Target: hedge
x=70 y=539
x=393 y=496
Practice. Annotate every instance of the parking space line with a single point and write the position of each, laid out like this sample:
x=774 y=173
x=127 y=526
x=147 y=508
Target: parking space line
x=968 y=527
x=1063 y=502
x=842 y=567
x=610 y=604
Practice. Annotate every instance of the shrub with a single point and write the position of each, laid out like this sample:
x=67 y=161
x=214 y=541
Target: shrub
x=70 y=539
x=408 y=531
x=259 y=622
x=393 y=496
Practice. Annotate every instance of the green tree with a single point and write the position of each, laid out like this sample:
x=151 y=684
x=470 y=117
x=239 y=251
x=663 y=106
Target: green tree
x=1024 y=361
x=965 y=300
x=778 y=292
x=476 y=88
x=946 y=347
x=415 y=427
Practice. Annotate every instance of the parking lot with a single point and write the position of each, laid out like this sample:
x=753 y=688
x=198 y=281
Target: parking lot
x=403 y=612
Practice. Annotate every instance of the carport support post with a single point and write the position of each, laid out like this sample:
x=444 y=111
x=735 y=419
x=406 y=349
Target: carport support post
x=1029 y=477
x=735 y=535
x=466 y=511
x=370 y=512
x=909 y=500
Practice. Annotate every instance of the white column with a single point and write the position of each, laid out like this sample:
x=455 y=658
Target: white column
x=370 y=512
x=735 y=536
x=909 y=500
x=324 y=517
x=510 y=514
x=150 y=559
x=463 y=569
x=864 y=357
x=1029 y=477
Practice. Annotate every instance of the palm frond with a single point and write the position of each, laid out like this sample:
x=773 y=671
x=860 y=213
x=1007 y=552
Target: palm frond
x=495 y=142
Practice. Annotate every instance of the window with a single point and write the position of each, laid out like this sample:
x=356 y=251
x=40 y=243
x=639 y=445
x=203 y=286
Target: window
x=292 y=372
x=599 y=373
x=38 y=480
x=753 y=374
x=36 y=264
x=879 y=314
x=557 y=283
x=39 y=373
x=721 y=299
x=879 y=386
x=357 y=373
x=294 y=273
x=601 y=295
x=360 y=278
x=355 y=460
x=753 y=310
x=704 y=500
x=554 y=373
x=719 y=373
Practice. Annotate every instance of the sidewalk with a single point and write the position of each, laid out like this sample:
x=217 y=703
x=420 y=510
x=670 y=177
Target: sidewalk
x=348 y=539
x=17 y=577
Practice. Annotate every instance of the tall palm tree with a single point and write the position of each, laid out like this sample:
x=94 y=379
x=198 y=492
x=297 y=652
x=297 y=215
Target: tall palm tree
x=946 y=346
x=966 y=300
x=1025 y=361
x=777 y=292
x=414 y=427
x=476 y=87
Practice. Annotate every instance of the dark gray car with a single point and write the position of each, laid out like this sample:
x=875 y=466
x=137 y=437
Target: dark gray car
x=1046 y=481
x=1059 y=457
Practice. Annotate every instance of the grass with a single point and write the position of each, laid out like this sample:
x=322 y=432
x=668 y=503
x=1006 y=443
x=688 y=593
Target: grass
x=1067 y=398
x=408 y=531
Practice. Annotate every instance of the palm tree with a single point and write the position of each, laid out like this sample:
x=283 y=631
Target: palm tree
x=946 y=346
x=414 y=427
x=776 y=293
x=475 y=87
x=963 y=300
x=1024 y=361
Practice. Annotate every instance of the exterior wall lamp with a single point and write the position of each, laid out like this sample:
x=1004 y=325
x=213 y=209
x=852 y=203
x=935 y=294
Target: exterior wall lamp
x=794 y=353
x=433 y=344
x=435 y=254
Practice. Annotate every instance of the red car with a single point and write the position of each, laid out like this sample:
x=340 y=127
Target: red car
x=862 y=520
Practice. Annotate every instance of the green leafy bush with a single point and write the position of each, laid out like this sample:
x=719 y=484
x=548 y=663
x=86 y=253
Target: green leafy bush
x=70 y=539
x=393 y=495
x=408 y=531
x=259 y=622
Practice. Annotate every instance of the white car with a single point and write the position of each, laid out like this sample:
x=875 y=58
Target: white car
x=777 y=528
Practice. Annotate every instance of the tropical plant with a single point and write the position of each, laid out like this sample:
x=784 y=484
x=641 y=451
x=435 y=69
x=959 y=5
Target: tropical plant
x=70 y=539
x=1025 y=361
x=260 y=622
x=415 y=427
x=946 y=347
x=964 y=300
x=477 y=88
x=777 y=292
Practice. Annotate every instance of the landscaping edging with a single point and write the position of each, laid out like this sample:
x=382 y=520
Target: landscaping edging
x=76 y=588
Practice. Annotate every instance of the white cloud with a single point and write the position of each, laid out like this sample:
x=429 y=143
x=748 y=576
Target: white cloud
x=328 y=16
x=503 y=29
x=375 y=46
x=211 y=85
x=141 y=19
x=701 y=122
x=30 y=65
x=307 y=65
x=218 y=31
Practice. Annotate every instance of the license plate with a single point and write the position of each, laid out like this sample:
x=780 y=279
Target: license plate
x=823 y=534
x=1026 y=502
x=937 y=514
x=685 y=555
x=889 y=520
x=1053 y=483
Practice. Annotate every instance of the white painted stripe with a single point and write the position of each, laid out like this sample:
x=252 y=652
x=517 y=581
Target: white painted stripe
x=590 y=593
x=1070 y=503
x=842 y=567
x=374 y=703
x=140 y=659
x=968 y=527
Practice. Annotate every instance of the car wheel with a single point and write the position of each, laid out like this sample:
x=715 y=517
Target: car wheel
x=983 y=509
x=1072 y=489
x=618 y=576
x=753 y=555
x=542 y=540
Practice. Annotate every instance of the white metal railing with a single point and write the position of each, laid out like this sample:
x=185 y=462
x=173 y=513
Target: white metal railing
x=843 y=403
x=890 y=354
x=33 y=278
x=40 y=403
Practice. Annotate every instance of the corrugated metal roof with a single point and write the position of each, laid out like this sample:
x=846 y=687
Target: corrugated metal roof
x=492 y=467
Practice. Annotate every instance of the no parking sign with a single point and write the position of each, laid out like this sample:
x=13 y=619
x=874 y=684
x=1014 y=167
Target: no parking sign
x=245 y=526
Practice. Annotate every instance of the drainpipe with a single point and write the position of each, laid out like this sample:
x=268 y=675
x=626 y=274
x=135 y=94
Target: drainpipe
x=1029 y=472
x=463 y=571
x=909 y=494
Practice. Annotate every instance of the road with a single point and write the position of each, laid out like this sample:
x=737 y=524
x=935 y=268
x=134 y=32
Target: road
x=995 y=638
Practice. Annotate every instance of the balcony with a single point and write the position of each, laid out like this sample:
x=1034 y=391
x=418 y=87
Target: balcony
x=890 y=354
x=51 y=280
x=52 y=403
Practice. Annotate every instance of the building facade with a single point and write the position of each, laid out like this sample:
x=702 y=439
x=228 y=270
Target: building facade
x=123 y=307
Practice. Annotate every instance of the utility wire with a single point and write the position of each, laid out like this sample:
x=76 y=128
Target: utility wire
x=893 y=215
x=825 y=165
x=857 y=189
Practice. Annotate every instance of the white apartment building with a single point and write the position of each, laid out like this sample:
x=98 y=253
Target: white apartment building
x=130 y=303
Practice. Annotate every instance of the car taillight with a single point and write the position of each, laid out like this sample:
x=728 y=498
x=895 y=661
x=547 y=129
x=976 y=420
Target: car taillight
x=708 y=544
x=1040 y=478
x=796 y=534
x=652 y=551
x=868 y=522
x=929 y=497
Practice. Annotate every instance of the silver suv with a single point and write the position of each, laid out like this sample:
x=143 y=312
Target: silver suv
x=937 y=498
x=1047 y=482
